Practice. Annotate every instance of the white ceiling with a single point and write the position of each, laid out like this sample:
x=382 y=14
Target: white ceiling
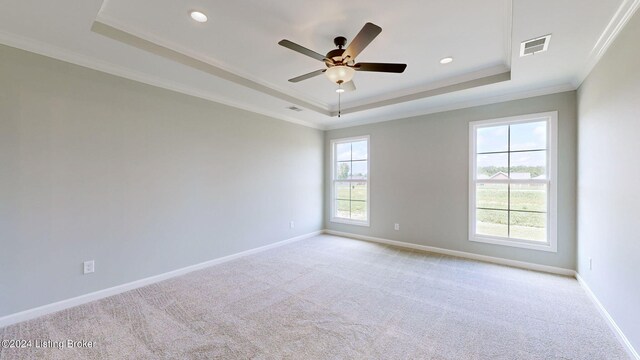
x=242 y=37
x=234 y=58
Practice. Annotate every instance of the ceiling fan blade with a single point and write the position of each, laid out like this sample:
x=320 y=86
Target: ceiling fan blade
x=301 y=49
x=380 y=67
x=349 y=86
x=365 y=37
x=307 y=76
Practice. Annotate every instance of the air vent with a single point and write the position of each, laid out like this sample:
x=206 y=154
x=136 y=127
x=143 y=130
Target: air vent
x=294 y=108
x=535 y=46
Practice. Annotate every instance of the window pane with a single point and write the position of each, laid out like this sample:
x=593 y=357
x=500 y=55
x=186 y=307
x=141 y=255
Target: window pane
x=359 y=191
x=529 y=136
x=528 y=226
x=359 y=150
x=343 y=151
x=492 y=166
x=343 y=170
x=492 y=139
x=492 y=196
x=529 y=165
x=492 y=222
x=359 y=169
x=531 y=197
x=343 y=209
x=342 y=190
x=359 y=210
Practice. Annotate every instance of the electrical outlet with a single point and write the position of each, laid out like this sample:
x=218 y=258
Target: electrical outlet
x=590 y=264
x=292 y=224
x=89 y=267
x=396 y=226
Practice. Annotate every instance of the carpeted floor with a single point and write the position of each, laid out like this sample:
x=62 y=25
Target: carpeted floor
x=335 y=298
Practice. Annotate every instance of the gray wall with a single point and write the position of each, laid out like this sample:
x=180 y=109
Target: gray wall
x=419 y=178
x=140 y=179
x=609 y=181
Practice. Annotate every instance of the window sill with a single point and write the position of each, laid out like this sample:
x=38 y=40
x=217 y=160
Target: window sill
x=550 y=247
x=350 y=222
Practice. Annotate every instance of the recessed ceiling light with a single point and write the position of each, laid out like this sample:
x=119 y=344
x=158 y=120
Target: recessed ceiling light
x=198 y=16
x=446 y=60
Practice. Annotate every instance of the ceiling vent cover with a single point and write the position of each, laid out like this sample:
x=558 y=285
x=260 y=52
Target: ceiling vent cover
x=294 y=108
x=535 y=46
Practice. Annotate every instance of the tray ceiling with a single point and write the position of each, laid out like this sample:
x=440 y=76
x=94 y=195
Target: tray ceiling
x=234 y=58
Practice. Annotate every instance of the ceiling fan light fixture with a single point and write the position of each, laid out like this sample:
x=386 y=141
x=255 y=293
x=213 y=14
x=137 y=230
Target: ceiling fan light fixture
x=340 y=74
x=446 y=60
x=198 y=16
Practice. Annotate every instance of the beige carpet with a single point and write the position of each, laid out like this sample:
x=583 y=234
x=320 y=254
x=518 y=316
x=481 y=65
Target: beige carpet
x=334 y=298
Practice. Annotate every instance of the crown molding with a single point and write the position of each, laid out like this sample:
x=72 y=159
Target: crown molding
x=134 y=36
x=616 y=24
x=620 y=18
x=112 y=29
x=461 y=105
x=508 y=32
x=116 y=30
x=465 y=82
x=61 y=54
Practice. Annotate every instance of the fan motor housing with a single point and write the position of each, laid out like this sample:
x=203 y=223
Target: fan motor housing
x=335 y=54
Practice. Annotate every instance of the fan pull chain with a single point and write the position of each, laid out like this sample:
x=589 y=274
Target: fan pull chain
x=339 y=110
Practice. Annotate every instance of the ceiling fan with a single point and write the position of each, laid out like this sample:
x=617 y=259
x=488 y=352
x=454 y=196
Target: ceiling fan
x=341 y=65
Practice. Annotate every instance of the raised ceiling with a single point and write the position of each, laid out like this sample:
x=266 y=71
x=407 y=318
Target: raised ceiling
x=234 y=58
x=242 y=37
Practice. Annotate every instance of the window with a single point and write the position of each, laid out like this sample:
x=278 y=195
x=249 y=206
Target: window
x=512 y=187
x=350 y=181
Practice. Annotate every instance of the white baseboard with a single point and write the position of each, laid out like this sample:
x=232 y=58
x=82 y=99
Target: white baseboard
x=100 y=294
x=612 y=324
x=462 y=254
x=520 y=264
x=79 y=300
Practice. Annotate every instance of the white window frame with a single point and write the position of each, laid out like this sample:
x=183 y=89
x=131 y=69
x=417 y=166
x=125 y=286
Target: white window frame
x=552 y=181
x=334 y=144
